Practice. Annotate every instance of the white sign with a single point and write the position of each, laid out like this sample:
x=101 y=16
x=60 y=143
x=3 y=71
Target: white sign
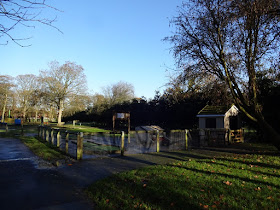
x=120 y=115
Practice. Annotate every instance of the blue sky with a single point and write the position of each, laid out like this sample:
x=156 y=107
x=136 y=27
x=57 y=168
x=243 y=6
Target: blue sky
x=114 y=40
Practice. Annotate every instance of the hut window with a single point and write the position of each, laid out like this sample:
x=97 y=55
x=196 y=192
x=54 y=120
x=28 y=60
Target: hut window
x=210 y=122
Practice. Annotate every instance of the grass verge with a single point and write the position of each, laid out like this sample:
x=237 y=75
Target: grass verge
x=85 y=129
x=202 y=180
x=44 y=149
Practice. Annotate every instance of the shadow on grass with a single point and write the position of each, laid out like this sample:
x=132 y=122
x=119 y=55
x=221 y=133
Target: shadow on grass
x=176 y=156
x=239 y=150
x=238 y=168
x=136 y=160
x=172 y=192
x=229 y=176
x=265 y=165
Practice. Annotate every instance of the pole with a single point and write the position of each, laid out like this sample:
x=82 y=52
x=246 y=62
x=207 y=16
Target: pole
x=186 y=137
x=43 y=133
x=58 y=138
x=128 y=128
x=80 y=146
x=66 y=142
x=157 y=140
x=52 y=136
x=122 y=144
x=47 y=135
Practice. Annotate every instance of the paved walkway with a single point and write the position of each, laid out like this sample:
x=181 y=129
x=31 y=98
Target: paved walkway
x=27 y=183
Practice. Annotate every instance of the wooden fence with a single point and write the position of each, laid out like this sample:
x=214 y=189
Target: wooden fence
x=215 y=137
x=61 y=138
x=135 y=142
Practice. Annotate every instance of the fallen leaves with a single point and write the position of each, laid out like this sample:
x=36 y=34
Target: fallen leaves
x=204 y=206
x=269 y=187
x=227 y=183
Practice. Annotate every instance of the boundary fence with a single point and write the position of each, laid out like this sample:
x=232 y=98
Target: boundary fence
x=79 y=144
x=82 y=145
x=215 y=137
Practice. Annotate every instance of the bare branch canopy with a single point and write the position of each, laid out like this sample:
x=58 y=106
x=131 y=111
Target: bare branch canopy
x=22 y=13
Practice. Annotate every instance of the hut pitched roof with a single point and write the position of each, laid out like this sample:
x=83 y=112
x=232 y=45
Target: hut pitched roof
x=213 y=110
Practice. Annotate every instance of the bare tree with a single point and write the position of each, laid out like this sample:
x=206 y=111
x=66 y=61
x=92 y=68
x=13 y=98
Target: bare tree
x=99 y=103
x=61 y=82
x=118 y=93
x=231 y=40
x=22 y=13
x=76 y=103
x=27 y=85
x=6 y=84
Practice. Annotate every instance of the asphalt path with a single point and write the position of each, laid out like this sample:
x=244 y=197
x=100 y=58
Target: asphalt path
x=26 y=183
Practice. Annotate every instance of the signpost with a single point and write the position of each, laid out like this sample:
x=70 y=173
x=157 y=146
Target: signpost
x=122 y=116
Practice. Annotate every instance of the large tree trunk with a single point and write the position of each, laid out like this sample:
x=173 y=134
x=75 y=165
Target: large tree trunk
x=60 y=108
x=4 y=108
x=24 y=113
x=270 y=134
x=36 y=114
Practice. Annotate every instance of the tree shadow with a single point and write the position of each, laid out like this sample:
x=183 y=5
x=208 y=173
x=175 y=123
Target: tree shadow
x=259 y=164
x=176 y=156
x=228 y=176
x=238 y=151
x=229 y=166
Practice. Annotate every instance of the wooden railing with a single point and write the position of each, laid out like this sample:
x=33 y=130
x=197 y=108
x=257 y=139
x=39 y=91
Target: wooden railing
x=54 y=136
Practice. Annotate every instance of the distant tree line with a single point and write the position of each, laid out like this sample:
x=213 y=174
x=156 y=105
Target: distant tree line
x=175 y=108
x=61 y=88
x=178 y=105
x=61 y=91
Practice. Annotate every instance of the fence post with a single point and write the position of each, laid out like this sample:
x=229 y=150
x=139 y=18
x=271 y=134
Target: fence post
x=43 y=133
x=39 y=132
x=7 y=128
x=122 y=144
x=52 y=136
x=66 y=142
x=157 y=140
x=80 y=146
x=229 y=136
x=186 y=137
x=58 y=138
x=47 y=135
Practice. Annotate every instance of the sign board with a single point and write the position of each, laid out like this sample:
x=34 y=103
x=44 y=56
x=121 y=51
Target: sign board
x=120 y=115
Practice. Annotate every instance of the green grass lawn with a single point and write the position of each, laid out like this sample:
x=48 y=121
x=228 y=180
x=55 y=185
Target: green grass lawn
x=42 y=149
x=83 y=128
x=204 y=179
